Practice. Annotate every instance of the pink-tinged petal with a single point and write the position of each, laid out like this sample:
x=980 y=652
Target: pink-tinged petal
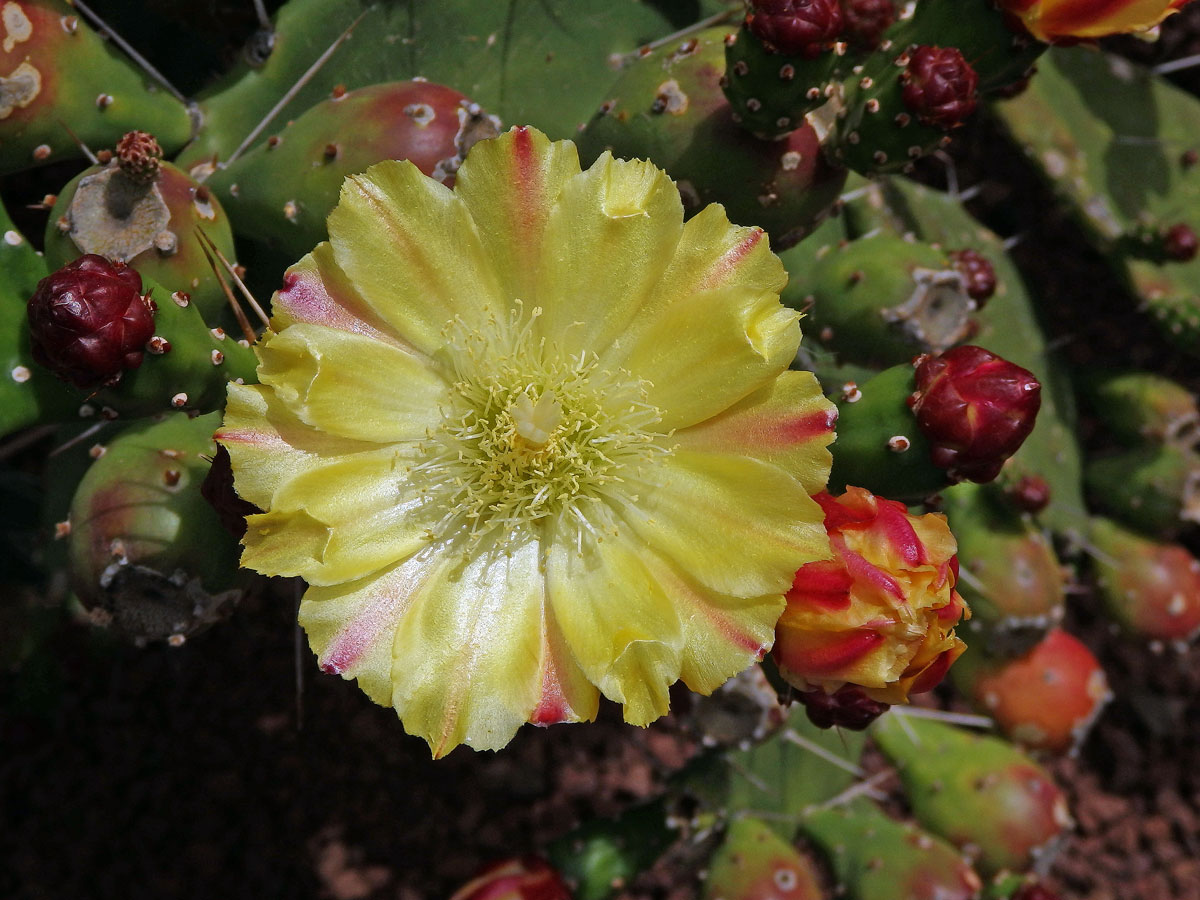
x=268 y=446
x=510 y=184
x=868 y=574
x=787 y=422
x=898 y=529
x=351 y=627
x=827 y=654
x=410 y=247
x=317 y=292
x=567 y=695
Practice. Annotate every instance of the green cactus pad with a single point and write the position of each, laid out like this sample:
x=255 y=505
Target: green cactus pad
x=979 y=792
x=754 y=863
x=47 y=107
x=668 y=107
x=146 y=551
x=1113 y=141
x=151 y=227
x=877 y=858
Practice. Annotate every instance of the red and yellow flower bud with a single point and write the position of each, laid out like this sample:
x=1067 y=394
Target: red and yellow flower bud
x=1064 y=20
x=521 y=878
x=881 y=613
x=975 y=408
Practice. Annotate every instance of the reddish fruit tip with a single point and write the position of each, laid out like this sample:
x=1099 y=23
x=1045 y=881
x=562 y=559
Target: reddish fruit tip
x=867 y=20
x=978 y=274
x=1180 y=243
x=138 y=155
x=1031 y=494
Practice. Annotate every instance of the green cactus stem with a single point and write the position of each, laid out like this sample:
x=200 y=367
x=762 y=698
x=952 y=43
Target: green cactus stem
x=147 y=554
x=1013 y=581
x=282 y=191
x=754 y=863
x=874 y=857
x=1150 y=588
x=667 y=106
x=978 y=792
x=1154 y=489
x=1141 y=407
x=150 y=223
x=47 y=107
x=881 y=300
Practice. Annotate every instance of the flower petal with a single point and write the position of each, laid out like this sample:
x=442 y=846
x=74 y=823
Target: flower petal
x=787 y=422
x=510 y=185
x=351 y=385
x=268 y=446
x=410 y=247
x=621 y=626
x=722 y=635
x=606 y=245
x=317 y=292
x=339 y=521
x=703 y=510
x=709 y=350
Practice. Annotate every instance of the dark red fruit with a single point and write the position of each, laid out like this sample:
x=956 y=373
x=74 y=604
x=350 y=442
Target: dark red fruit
x=939 y=86
x=1031 y=494
x=138 y=155
x=866 y=21
x=847 y=707
x=795 y=27
x=975 y=408
x=217 y=488
x=979 y=277
x=1035 y=892
x=88 y=321
x=1180 y=243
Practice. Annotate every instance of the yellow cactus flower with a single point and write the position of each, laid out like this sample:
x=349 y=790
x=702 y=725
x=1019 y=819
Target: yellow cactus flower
x=1055 y=20
x=531 y=440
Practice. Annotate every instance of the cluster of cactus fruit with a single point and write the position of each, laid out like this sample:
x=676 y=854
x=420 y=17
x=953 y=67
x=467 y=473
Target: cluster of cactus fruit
x=119 y=335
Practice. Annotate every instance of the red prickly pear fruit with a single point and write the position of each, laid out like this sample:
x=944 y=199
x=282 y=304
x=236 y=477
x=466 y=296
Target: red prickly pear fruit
x=979 y=276
x=866 y=21
x=978 y=792
x=217 y=488
x=89 y=323
x=939 y=86
x=1030 y=493
x=139 y=156
x=754 y=863
x=1044 y=700
x=847 y=707
x=1151 y=588
x=524 y=878
x=1179 y=243
x=795 y=27
x=975 y=408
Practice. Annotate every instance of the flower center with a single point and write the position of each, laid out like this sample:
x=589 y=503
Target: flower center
x=531 y=435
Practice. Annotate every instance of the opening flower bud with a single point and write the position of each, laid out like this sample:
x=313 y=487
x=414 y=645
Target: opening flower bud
x=879 y=615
